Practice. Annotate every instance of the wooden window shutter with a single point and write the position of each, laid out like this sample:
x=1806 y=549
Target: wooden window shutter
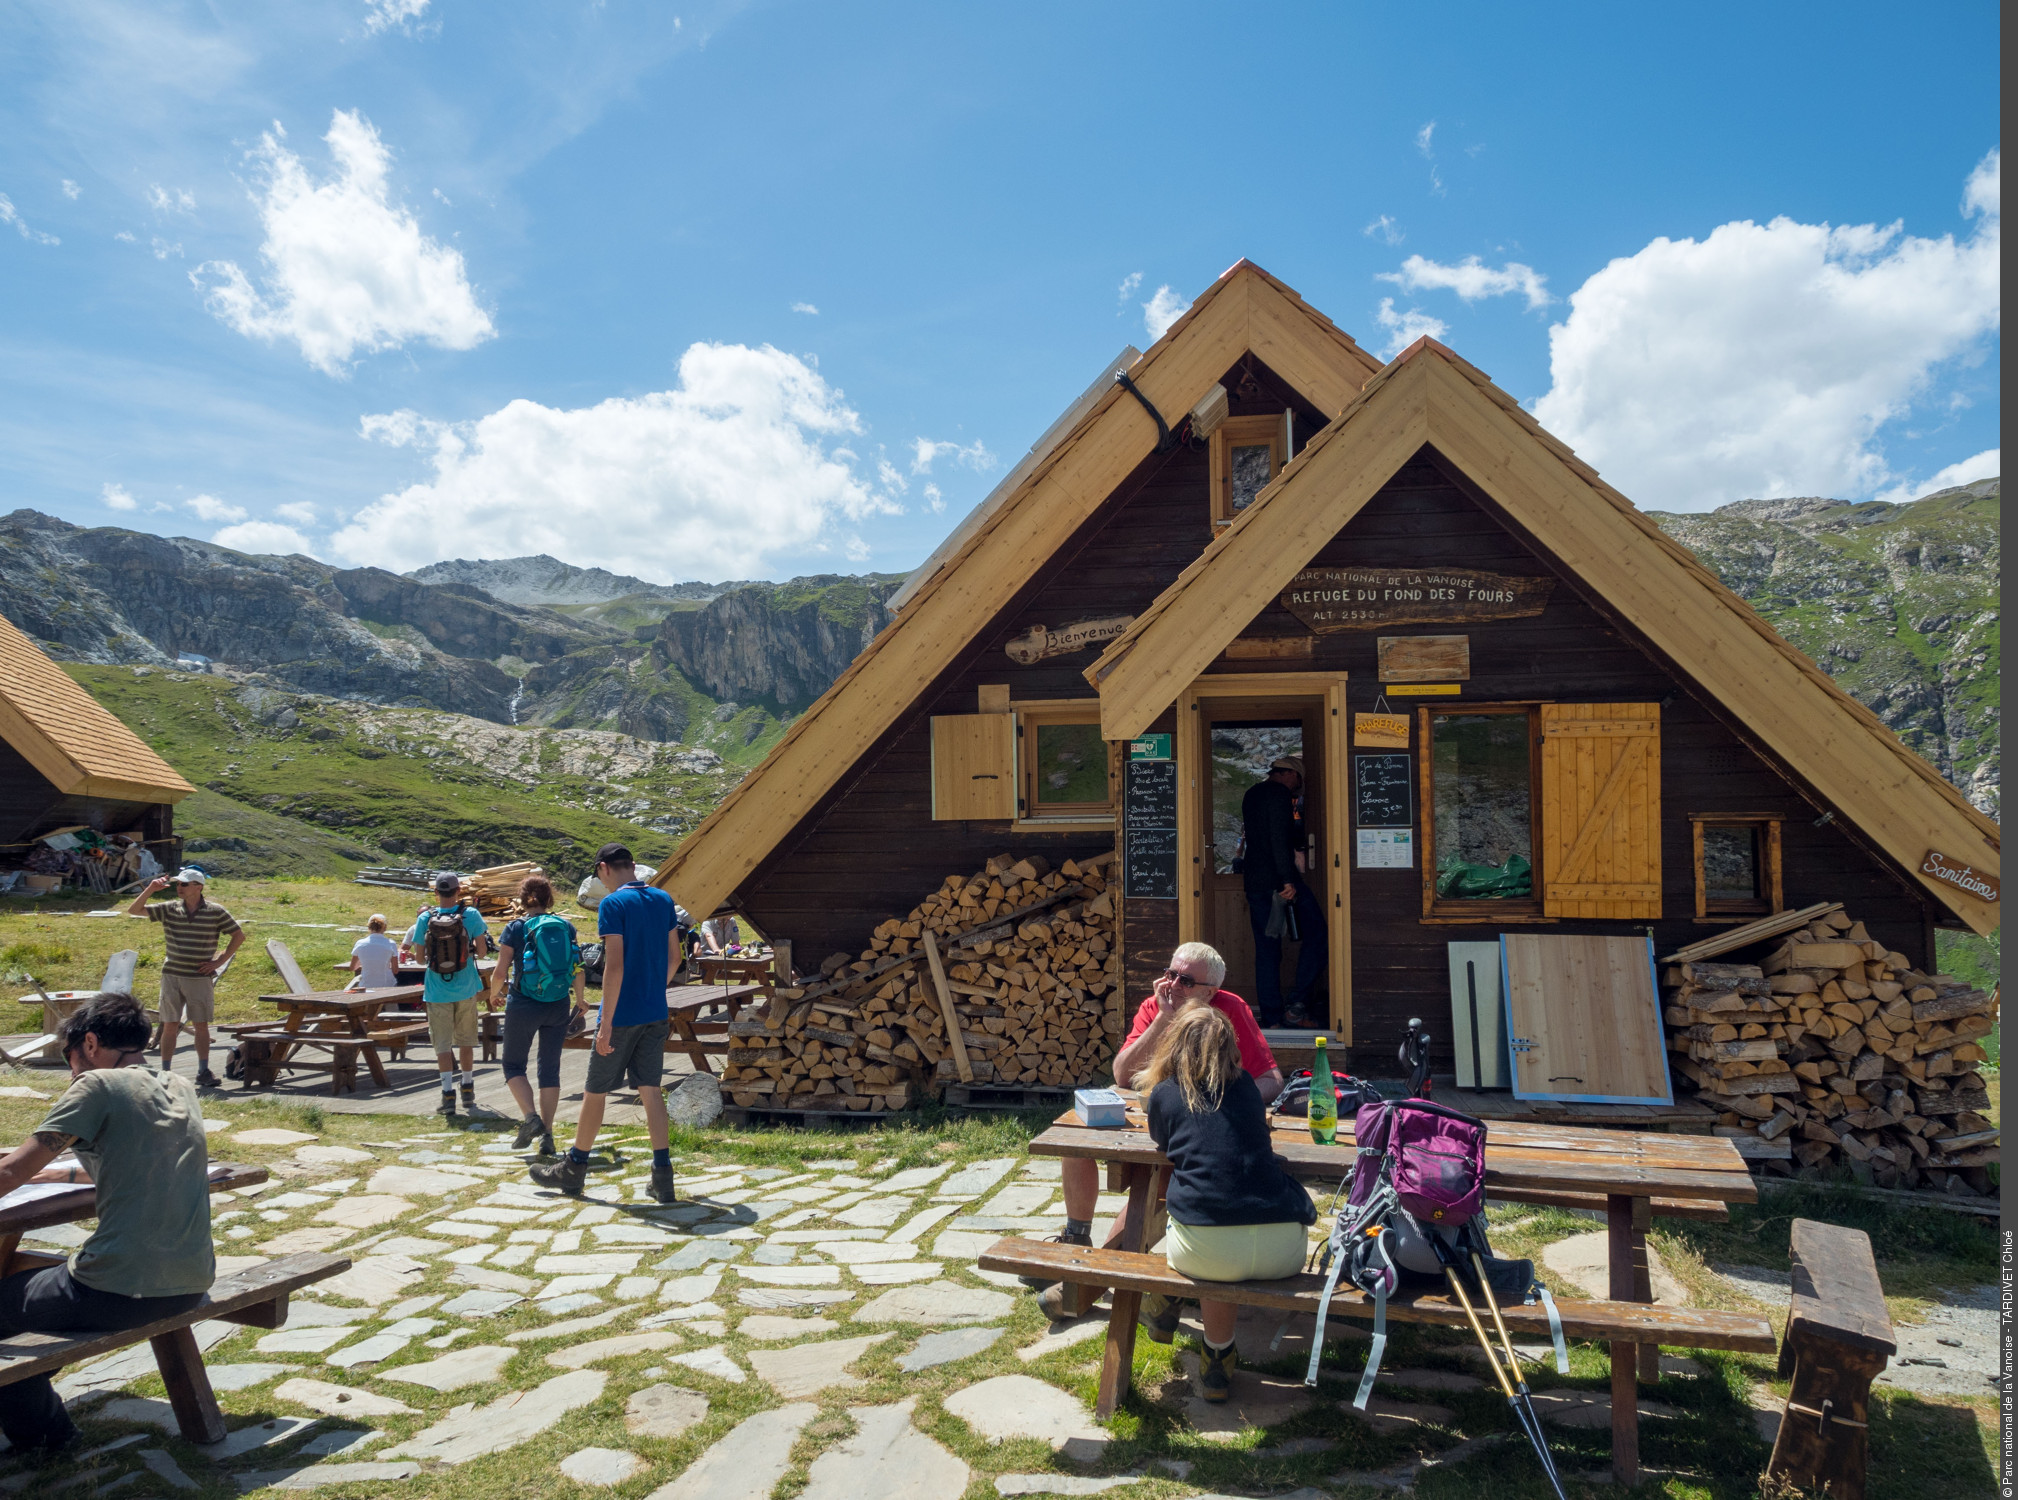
x=974 y=766
x=1601 y=810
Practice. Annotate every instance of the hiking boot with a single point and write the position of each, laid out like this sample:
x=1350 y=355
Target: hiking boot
x=661 y=1187
x=568 y=1175
x=469 y=1097
x=1215 y=1373
x=547 y=1144
x=1063 y=1237
x=1158 y=1316
x=205 y=1079
x=1057 y=1302
x=530 y=1128
x=447 y=1105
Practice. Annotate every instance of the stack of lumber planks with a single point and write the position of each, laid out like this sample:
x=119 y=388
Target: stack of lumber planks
x=495 y=891
x=1833 y=1051
x=1011 y=975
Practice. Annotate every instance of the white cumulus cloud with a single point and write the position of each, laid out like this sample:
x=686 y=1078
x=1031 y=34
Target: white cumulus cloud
x=11 y=215
x=298 y=511
x=262 y=536
x=1129 y=284
x=739 y=462
x=1471 y=278
x=210 y=508
x=114 y=497
x=1988 y=464
x=383 y=15
x=170 y=200
x=1385 y=229
x=974 y=455
x=348 y=269
x=71 y=190
x=1404 y=328
x=1764 y=360
x=1163 y=308
x=807 y=308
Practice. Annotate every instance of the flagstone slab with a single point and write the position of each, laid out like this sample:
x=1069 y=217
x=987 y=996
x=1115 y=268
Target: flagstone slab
x=470 y=1255
x=481 y=1303
x=319 y=1475
x=746 y=1464
x=771 y=1298
x=334 y=1400
x=492 y=1280
x=714 y=1360
x=146 y=1410
x=365 y=1210
x=422 y=1182
x=305 y=1314
x=915 y=1227
x=1021 y=1406
x=575 y=1356
x=816 y=1275
x=293 y=1199
x=876 y=1213
x=477 y=1365
x=601 y=1466
x=400 y=1244
x=563 y=1287
x=893 y=1273
x=1429 y=1380
x=1257 y=1401
x=766 y=1329
x=480 y=1213
x=1388 y=1414
x=340 y=1440
x=567 y=1328
x=258 y=1435
x=471 y=1432
x=962 y=1244
x=663 y=1411
x=700 y=1315
x=1020 y=1199
x=611 y=1263
x=887 y=1458
x=328 y=1156
x=808 y=1369
x=691 y=1288
x=944 y=1348
x=820 y=1237
x=937 y=1302
x=771 y=1254
x=975 y=1178
x=651 y=1235
x=305 y=1340
x=242 y=1377
x=693 y=1257
x=1070 y=1484
x=1064 y=1336
x=637 y=1289
x=554 y=1307
x=912 y=1179
x=309 y=1238
x=270 y=1136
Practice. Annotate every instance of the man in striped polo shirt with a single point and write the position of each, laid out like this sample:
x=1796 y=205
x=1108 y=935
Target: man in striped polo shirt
x=191 y=927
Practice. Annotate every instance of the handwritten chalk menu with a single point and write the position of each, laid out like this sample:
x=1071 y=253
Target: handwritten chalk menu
x=1149 y=830
x=1381 y=797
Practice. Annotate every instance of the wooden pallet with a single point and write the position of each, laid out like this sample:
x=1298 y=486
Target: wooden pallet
x=756 y=1116
x=1007 y=1096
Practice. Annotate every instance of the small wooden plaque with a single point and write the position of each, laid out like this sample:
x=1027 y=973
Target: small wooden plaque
x=1425 y=658
x=1272 y=648
x=1961 y=875
x=1380 y=731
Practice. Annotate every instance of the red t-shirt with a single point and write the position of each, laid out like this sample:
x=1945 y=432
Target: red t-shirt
x=1254 y=1053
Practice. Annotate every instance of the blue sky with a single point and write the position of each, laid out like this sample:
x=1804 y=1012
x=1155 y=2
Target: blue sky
x=753 y=290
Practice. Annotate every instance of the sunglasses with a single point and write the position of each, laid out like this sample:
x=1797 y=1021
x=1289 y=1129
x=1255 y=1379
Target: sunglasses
x=1185 y=980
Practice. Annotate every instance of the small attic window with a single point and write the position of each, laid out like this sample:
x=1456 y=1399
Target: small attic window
x=1247 y=453
x=1737 y=860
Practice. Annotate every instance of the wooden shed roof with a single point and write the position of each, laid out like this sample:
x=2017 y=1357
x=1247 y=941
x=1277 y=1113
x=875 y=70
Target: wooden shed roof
x=1245 y=311
x=1428 y=395
x=64 y=733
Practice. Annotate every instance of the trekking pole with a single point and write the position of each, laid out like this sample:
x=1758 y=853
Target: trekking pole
x=1533 y=1422
x=1523 y=1415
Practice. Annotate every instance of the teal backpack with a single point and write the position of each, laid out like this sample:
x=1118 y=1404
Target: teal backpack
x=547 y=967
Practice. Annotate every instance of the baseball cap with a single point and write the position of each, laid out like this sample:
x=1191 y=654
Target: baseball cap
x=1287 y=763
x=191 y=875
x=614 y=854
x=448 y=880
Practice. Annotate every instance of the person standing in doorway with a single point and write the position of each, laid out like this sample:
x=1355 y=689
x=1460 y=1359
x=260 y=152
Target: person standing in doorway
x=190 y=928
x=1273 y=873
x=450 y=937
x=636 y=923
x=539 y=969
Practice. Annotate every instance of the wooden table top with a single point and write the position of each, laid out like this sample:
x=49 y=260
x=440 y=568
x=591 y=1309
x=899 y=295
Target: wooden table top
x=695 y=996
x=1551 y=1158
x=346 y=1000
x=81 y=1201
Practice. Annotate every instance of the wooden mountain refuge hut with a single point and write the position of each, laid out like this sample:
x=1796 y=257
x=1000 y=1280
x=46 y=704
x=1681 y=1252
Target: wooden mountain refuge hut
x=67 y=763
x=1535 y=731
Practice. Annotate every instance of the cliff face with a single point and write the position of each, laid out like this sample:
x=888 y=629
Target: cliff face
x=785 y=643
x=1899 y=603
x=550 y=583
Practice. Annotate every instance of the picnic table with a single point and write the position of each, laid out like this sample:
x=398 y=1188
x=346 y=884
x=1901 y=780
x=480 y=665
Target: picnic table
x=1627 y=1174
x=346 y=1024
x=727 y=969
x=691 y=1032
x=79 y=1201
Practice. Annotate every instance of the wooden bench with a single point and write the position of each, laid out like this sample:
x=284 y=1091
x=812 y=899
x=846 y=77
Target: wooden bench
x=1839 y=1336
x=256 y=1296
x=1133 y=1273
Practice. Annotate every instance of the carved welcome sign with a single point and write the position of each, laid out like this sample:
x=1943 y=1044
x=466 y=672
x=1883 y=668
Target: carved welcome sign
x=1039 y=642
x=1331 y=599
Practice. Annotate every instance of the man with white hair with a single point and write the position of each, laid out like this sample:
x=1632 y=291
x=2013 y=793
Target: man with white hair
x=1194 y=977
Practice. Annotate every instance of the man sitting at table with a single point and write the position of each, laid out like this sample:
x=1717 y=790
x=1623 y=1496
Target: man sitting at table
x=139 y=1135
x=1193 y=978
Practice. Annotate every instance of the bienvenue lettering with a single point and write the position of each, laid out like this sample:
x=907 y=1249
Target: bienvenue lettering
x=1962 y=877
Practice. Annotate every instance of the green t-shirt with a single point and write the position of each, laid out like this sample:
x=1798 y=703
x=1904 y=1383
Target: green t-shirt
x=140 y=1136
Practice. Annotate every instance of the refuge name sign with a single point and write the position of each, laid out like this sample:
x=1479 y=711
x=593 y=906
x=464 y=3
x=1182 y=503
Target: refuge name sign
x=1333 y=599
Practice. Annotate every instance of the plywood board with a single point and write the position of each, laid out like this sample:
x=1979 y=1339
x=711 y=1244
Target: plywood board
x=1425 y=658
x=1583 y=1019
x=1476 y=1011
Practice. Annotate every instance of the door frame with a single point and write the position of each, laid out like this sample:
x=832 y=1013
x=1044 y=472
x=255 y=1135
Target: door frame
x=1190 y=751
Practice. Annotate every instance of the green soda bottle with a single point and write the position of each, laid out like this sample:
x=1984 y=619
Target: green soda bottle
x=1323 y=1109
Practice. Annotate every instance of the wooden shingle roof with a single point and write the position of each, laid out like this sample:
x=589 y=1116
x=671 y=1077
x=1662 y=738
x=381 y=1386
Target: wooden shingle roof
x=64 y=733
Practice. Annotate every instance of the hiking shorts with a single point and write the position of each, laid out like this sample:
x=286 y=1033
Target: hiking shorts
x=188 y=997
x=637 y=1053
x=1235 y=1252
x=452 y=1023
x=526 y=1019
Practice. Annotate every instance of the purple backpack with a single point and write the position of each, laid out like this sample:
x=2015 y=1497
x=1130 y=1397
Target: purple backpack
x=1434 y=1157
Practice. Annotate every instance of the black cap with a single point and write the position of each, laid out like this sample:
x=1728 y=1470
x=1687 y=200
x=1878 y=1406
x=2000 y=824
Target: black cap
x=614 y=854
x=447 y=880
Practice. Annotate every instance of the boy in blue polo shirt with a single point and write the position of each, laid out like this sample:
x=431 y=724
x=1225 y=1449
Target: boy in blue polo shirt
x=636 y=924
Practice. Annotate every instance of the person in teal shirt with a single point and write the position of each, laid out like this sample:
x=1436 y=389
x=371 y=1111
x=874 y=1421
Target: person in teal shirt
x=454 y=985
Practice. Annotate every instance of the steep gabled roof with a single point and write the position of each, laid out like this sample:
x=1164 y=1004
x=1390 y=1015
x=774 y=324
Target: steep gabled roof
x=62 y=731
x=1245 y=311
x=1429 y=395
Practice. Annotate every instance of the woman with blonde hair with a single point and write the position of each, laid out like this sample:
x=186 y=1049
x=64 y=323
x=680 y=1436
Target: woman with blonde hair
x=1235 y=1213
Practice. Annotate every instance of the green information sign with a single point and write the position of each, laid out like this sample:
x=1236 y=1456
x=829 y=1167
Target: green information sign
x=1150 y=747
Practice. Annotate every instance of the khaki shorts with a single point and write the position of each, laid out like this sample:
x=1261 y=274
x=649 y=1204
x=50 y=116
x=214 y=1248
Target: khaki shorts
x=1235 y=1252
x=188 y=997
x=452 y=1023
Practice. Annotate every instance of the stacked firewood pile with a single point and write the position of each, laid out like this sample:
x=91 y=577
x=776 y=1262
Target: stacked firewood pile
x=495 y=891
x=1012 y=975
x=1841 y=1048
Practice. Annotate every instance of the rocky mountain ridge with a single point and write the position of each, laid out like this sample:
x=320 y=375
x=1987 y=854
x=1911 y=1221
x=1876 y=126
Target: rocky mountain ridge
x=547 y=581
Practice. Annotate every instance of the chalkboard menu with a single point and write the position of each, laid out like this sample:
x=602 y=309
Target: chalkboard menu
x=1381 y=791
x=1149 y=830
